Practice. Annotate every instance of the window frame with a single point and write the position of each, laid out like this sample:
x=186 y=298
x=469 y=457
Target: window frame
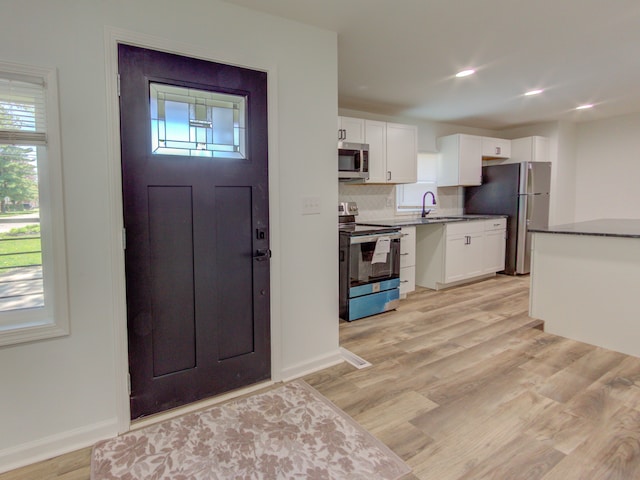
x=427 y=180
x=52 y=320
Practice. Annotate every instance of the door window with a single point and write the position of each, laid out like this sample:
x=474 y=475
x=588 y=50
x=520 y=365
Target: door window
x=197 y=123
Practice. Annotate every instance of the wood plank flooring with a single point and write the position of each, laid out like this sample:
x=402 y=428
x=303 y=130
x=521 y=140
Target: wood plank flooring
x=464 y=385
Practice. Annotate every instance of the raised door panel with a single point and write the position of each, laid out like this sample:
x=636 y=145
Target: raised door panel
x=402 y=153
x=375 y=134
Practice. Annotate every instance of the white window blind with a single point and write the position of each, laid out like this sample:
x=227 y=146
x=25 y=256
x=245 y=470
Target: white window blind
x=22 y=109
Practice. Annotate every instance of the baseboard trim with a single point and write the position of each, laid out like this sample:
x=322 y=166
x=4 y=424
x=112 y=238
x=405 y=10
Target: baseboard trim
x=312 y=365
x=54 y=445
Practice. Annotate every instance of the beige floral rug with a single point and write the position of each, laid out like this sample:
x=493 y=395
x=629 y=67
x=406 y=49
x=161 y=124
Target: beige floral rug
x=289 y=432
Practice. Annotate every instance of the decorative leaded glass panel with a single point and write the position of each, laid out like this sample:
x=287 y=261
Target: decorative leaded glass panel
x=198 y=123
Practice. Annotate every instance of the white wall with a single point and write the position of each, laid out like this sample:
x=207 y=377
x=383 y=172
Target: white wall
x=60 y=394
x=608 y=168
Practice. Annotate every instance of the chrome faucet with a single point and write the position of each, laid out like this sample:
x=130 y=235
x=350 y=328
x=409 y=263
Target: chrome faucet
x=426 y=212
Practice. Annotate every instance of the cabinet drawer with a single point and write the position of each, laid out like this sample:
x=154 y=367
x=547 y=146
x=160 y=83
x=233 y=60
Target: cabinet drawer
x=408 y=247
x=465 y=227
x=495 y=224
x=407 y=279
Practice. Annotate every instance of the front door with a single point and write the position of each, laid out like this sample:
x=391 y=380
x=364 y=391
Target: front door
x=195 y=195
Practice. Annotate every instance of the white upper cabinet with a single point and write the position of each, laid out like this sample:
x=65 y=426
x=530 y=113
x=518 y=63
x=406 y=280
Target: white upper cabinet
x=351 y=129
x=393 y=148
x=530 y=149
x=376 y=136
x=402 y=153
x=460 y=162
x=495 y=148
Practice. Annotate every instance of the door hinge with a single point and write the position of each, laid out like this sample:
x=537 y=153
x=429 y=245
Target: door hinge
x=118 y=84
x=124 y=238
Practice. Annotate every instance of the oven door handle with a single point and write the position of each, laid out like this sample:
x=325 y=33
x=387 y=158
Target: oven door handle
x=374 y=237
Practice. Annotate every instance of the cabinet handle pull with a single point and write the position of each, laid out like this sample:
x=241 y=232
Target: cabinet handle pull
x=403 y=254
x=388 y=175
x=404 y=281
x=498 y=150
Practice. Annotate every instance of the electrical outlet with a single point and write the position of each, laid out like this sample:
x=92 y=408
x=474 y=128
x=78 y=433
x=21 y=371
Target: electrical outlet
x=310 y=205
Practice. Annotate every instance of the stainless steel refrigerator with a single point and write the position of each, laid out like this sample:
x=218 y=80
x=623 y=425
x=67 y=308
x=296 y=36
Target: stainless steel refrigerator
x=521 y=192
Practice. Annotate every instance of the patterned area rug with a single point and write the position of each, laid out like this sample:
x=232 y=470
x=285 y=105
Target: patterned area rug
x=289 y=432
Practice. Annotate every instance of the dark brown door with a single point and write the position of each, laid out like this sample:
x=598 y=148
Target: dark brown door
x=195 y=193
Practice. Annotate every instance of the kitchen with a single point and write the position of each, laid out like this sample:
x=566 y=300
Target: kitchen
x=82 y=377
x=469 y=242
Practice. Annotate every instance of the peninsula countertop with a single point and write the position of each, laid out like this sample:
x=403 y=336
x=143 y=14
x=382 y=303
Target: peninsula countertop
x=605 y=227
x=413 y=221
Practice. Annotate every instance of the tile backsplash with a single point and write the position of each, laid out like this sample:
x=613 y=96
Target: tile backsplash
x=377 y=202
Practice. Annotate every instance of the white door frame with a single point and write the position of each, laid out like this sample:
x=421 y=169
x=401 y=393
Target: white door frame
x=114 y=36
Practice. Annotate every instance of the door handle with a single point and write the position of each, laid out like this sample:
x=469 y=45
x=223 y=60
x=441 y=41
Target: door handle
x=262 y=254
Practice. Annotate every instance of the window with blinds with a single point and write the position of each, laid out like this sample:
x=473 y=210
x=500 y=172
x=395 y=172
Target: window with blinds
x=33 y=280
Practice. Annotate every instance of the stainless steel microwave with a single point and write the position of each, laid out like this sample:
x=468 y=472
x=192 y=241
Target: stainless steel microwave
x=353 y=161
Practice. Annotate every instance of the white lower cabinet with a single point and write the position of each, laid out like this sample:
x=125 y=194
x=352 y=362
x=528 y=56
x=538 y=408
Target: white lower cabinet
x=407 y=260
x=463 y=251
x=495 y=243
x=450 y=253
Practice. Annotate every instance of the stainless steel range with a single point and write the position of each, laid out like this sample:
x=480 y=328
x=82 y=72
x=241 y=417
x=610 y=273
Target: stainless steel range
x=369 y=266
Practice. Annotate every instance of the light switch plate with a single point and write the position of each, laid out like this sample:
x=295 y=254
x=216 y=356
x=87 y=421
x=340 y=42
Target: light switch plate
x=310 y=205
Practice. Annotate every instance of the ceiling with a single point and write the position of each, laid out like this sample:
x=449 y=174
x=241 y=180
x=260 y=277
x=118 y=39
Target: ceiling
x=399 y=57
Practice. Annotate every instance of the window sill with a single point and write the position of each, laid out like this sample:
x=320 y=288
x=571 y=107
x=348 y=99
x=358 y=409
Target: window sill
x=13 y=335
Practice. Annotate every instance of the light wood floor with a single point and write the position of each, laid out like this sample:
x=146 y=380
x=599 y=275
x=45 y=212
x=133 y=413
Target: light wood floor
x=465 y=386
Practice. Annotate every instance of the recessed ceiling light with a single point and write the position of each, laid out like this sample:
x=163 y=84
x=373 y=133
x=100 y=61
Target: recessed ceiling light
x=465 y=73
x=534 y=92
x=584 y=107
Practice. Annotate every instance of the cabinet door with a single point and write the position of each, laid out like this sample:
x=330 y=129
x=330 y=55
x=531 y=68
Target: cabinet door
x=454 y=263
x=375 y=134
x=496 y=147
x=402 y=153
x=470 y=160
x=474 y=255
x=494 y=251
x=464 y=251
x=352 y=129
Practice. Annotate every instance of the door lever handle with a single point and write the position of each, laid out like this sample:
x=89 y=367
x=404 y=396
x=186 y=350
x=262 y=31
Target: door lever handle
x=262 y=254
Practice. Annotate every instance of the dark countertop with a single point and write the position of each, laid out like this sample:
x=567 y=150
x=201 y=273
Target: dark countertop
x=412 y=221
x=605 y=227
